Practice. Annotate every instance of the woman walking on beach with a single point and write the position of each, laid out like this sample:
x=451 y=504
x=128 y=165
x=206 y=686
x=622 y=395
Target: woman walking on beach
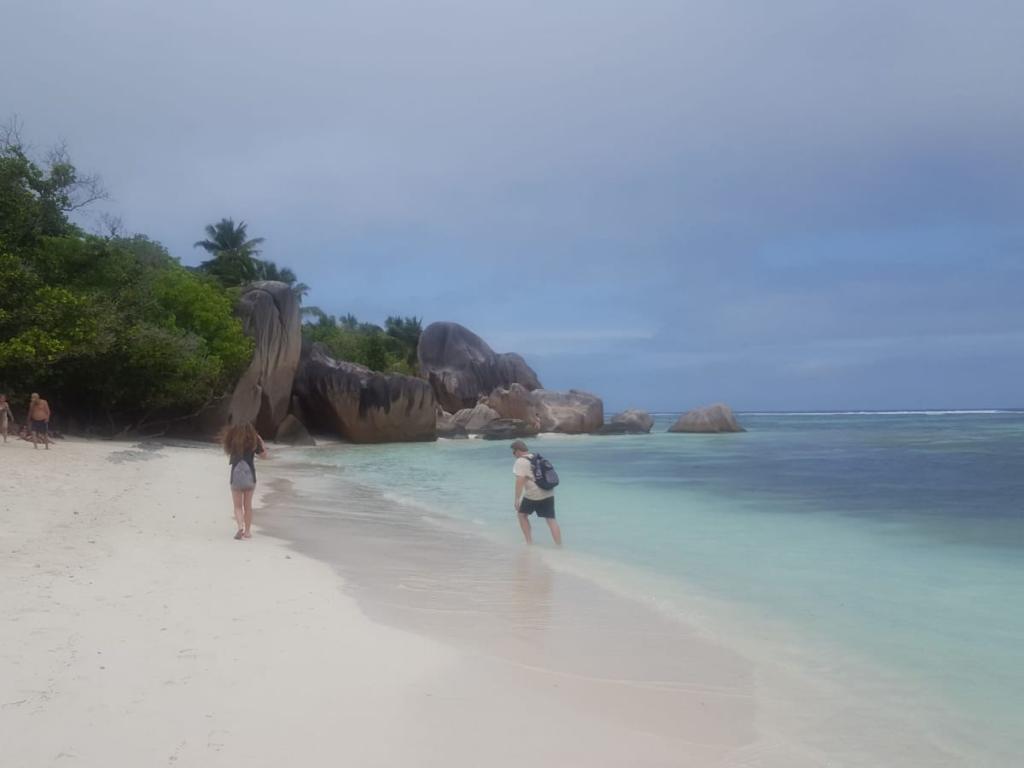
x=6 y=417
x=242 y=444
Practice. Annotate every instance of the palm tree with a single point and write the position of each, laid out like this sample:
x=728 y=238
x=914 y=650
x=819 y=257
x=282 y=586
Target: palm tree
x=234 y=259
x=225 y=236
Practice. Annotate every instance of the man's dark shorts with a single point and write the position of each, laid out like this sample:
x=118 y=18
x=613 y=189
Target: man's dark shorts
x=39 y=425
x=543 y=507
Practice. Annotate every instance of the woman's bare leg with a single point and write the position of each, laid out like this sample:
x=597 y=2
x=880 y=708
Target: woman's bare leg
x=248 y=512
x=237 y=498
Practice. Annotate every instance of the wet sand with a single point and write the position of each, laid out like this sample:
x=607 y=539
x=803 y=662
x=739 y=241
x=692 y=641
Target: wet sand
x=135 y=631
x=639 y=684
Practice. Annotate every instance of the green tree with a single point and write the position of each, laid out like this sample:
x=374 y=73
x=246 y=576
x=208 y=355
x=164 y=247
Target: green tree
x=111 y=328
x=227 y=237
x=35 y=200
x=367 y=344
x=234 y=253
x=235 y=261
x=405 y=330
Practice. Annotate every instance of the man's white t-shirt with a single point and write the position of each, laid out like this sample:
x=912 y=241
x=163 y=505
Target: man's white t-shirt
x=522 y=468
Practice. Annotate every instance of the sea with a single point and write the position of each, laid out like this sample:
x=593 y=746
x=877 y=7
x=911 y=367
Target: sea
x=882 y=552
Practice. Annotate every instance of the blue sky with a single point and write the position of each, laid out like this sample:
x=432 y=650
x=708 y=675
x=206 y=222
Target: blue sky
x=788 y=205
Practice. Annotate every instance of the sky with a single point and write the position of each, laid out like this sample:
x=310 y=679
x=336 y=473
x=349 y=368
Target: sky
x=788 y=205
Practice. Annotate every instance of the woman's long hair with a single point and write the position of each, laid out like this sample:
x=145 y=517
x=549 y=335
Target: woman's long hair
x=240 y=439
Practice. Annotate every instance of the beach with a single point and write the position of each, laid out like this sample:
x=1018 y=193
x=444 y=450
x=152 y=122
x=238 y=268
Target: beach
x=135 y=631
x=791 y=598
x=834 y=586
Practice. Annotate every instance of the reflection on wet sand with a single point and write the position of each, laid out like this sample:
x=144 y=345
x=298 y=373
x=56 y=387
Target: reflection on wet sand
x=421 y=572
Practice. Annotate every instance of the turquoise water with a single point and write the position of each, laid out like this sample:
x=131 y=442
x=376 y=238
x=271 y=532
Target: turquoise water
x=858 y=545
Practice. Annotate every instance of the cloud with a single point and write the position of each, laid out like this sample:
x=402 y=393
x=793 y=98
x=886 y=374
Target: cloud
x=675 y=186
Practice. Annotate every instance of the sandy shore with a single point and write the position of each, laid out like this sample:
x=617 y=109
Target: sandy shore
x=134 y=631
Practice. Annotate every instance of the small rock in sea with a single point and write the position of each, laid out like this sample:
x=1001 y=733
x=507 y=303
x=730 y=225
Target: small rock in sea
x=710 y=419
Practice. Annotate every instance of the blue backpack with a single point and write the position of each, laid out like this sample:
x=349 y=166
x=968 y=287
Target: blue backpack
x=544 y=474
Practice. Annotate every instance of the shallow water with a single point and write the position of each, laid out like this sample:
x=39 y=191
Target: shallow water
x=881 y=556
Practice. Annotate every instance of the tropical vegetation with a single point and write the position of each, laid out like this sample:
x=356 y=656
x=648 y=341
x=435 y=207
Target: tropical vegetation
x=118 y=332
x=390 y=349
x=234 y=261
x=113 y=328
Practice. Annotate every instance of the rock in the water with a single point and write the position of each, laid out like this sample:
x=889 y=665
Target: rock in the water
x=573 y=412
x=361 y=405
x=476 y=418
x=291 y=431
x=709 y=419
x=513 y=402
x=508 y=429
x=447 y=426
x=631 y=422
x=617 y=429
x=461 y=367
x=270 y=316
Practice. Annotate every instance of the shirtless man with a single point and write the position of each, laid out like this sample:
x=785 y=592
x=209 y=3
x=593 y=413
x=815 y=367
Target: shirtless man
x=39 y=420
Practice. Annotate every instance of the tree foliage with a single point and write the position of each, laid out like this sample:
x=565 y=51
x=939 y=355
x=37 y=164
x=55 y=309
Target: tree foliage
x=234 y=261
x=110 y=328
x=391 y=349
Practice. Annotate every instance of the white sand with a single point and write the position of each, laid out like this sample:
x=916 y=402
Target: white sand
x=134 y=631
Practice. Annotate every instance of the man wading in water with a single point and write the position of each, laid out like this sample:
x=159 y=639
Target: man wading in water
x=530 y=498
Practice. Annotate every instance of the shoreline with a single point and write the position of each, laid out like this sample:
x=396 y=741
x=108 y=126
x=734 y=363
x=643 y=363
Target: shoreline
x=809 y=704
x=136 y=631
x=650 y=693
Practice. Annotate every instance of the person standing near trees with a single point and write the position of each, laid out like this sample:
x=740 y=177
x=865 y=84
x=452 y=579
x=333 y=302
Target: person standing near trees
x=6 y=417
x=242 y=443
x=39 y=420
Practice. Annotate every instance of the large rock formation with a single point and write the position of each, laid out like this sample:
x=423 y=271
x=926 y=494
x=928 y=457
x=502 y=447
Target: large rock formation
x=447 y=426
x=291 y=431
x=461 y=367
x=361 y=405
x=631 y=422
x=514 y=402
x=709 y=419
x=508 y=429
x=476 y=418
x=270 y=316
x=572 y=412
